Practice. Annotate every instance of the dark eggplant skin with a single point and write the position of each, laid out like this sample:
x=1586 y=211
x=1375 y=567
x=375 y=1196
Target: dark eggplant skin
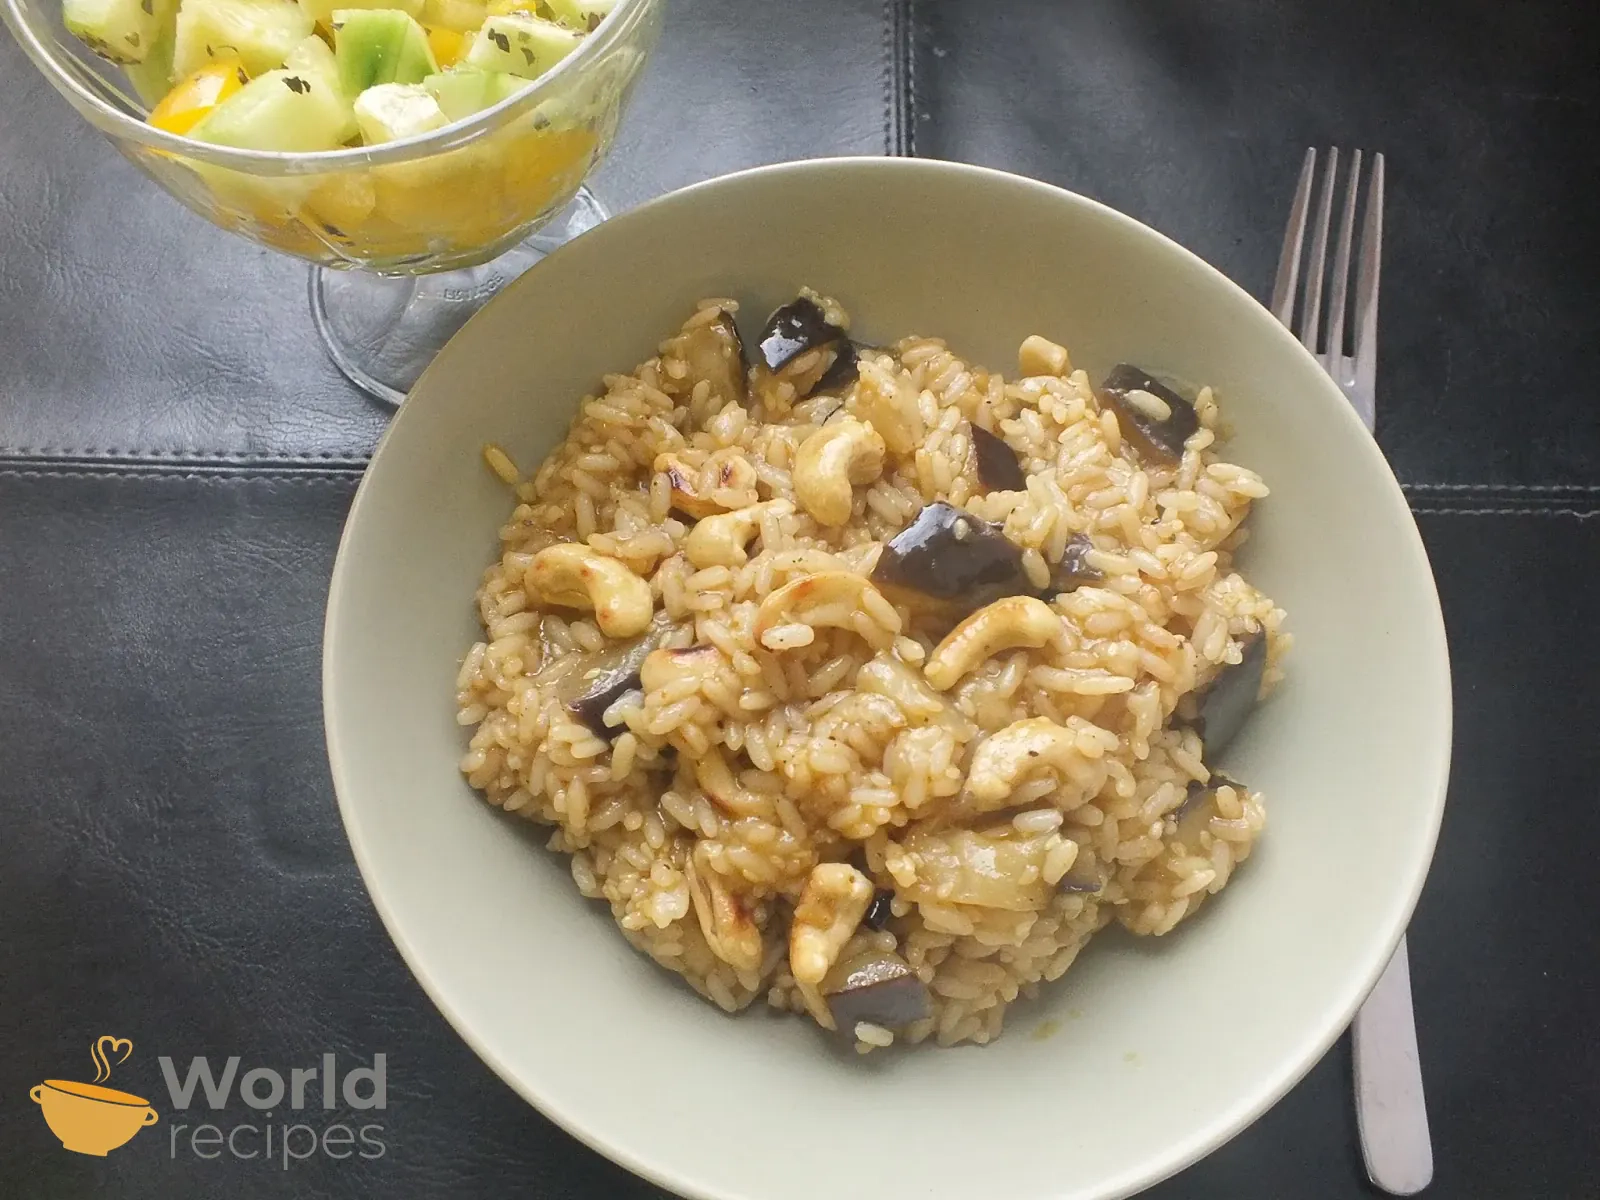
x=615 y=671
x=998 y=468
x=1231 y=696
x=1199 y=805
x=949 y=555
x=793 y=329
x=1074 y=571
x=879 y=988
x=844 y=370
x=962 y=563
x=880 y=910
x=729 y=333
x=608 y=689
x=1083 y=877
x=1155 y=439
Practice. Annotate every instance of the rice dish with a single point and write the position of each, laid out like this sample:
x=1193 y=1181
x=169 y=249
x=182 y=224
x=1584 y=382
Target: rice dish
x=867 y=683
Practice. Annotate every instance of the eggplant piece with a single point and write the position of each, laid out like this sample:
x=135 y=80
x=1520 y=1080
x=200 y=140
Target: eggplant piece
x=880 y=910
x=606 y=676
x=1199 y=805
x=1153 y=418
x=998 y=468
x=1226 y=704
x=1084 y=876
x=1074 y=571
x=878 y=987
x=715 y=353
x=953 y=557
x=842 y=372
x=798 y=326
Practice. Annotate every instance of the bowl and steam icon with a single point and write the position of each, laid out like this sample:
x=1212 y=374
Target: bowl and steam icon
x=90 y=1118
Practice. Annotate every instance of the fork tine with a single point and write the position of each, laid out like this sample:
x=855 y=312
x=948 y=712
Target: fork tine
x=1294 y=235
x=1311 y=307
x=1367 y=283
x=1341 y=265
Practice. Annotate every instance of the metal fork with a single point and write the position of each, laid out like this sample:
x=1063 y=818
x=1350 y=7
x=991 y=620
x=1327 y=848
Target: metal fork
x=1391 y=1110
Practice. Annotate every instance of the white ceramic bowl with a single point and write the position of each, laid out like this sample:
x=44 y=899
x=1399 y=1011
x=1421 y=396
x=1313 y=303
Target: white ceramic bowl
x=1165 y=1048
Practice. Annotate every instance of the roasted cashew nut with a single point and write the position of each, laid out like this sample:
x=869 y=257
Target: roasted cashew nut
x=571 y=575
x=715 y=778
x=887 y=400
x=832 y=904
x=828 y=598
x=1040 y=356
x=727 y=481
x=1001 y=761
x=731 y=934
x=831 y=463
x=720 y=540
x=1004 y=625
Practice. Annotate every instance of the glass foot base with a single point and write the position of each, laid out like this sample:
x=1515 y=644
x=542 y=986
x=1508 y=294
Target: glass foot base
x=383 y=330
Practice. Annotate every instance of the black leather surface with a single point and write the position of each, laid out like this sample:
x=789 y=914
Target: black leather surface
x=175 y=871
x=172 y=867
x=133 y=328
x=1194 y=117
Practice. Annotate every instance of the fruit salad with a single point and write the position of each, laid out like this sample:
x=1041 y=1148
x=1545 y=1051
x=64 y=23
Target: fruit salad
x=309 y=75
x=304 y=76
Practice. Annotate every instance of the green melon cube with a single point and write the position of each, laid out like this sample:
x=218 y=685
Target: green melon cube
x=581 y=14
x=465 y=91
x=517 y=44
x=152 y=79
x=260 y=33
x=125 y=31
x=312 y=59
x=279 y=111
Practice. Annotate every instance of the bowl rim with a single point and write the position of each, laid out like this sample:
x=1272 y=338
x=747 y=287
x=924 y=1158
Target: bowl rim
x=619 y=24
x=1223 y=1125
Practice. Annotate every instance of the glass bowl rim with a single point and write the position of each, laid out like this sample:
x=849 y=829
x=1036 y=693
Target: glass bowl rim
x=619 y=25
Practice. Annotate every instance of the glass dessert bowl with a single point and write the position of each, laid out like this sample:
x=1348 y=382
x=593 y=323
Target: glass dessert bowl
x=407 y=237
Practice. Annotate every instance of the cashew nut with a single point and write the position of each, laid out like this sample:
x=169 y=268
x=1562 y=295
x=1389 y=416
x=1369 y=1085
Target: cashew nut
x=832 y=904
x=1004 y=625
x=1041 y=356
x=828 y=598
x=1002 y=760
x=719 y=540
x=834 y=460
x=716 y=779
x=572 y=575
x=887 y=399
x=731 y=934
x=726 y=481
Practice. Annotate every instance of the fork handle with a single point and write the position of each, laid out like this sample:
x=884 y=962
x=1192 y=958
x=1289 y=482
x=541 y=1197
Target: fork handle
x=1391 y=1111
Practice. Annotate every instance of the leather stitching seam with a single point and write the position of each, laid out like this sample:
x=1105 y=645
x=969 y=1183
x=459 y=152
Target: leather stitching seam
x=344 y=478
x=221 y=458
x=896 y=53
x=1537 y=510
